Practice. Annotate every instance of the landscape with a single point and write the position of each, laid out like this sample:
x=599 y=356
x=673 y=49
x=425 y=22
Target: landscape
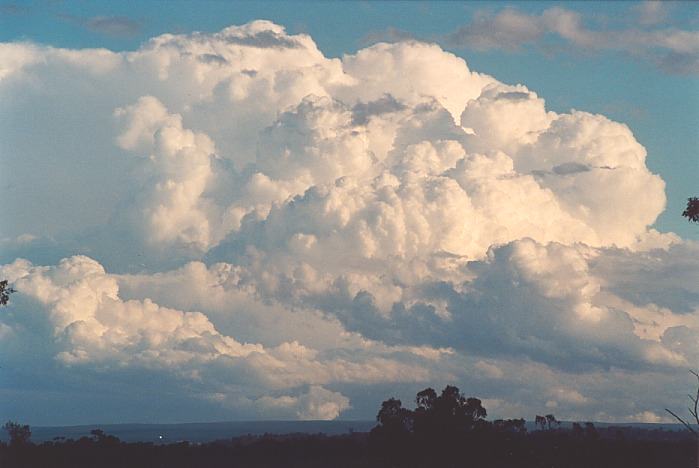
x=444 y=429
x=352 y=233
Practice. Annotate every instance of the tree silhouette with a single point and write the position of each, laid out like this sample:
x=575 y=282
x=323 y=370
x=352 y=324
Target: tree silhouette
x=692 y=409
x=424 y=420
x=425 y=400
x=5 y=292
x=438 y=426
x=510 y=425
x=540 y=422
x=390 y=437
x=394 y=417
x=692 y=210
x=103 y=438
x=19 y=434
x=591 y=430
x=551 y=421
x=451 y=411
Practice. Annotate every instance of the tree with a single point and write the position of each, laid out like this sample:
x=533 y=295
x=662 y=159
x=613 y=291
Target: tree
x=392 y=434
x=692 y=210
x=510 y=425
x=5 y=292
x=102 y=438
x=424 y=422
x=693 y=411
x=439 y=425
x=474 y=410
x=445 y=415
x=19 y=434
x=591 y=430
x=540 y=422
x=451 y=411
x=551 y=421
x=517 y=425
x=394 y=417
x=425 y=399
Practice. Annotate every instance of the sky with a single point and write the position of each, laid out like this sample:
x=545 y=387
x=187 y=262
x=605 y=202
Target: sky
x=234 y=211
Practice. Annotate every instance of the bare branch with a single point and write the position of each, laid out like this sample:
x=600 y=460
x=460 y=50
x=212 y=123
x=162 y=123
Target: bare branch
x=695 y=400
x=686 y=424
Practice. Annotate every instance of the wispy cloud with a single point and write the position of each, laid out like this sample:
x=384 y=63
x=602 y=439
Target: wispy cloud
x=12 y=9
x=114 y=26
x=648 y=35
x=672 y=49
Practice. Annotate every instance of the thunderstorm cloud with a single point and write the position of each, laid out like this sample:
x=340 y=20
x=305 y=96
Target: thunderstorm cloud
x=236 y=224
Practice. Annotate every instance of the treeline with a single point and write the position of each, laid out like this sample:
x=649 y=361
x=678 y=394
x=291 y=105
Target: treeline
x=450 y=430
x=443 y=430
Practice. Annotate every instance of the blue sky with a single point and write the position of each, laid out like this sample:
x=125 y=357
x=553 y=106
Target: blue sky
x=214 y=217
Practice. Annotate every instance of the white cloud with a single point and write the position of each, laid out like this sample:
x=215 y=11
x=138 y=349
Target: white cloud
x=85 y=323
x=92 y=324
x=283 y=224
x=568 y=395
x=172 y=204
x=317 y=404
x=208 y=157
x=650 y=417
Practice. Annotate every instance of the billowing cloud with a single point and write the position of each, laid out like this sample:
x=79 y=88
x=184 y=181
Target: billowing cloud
x=286 y=235
x=86 y=323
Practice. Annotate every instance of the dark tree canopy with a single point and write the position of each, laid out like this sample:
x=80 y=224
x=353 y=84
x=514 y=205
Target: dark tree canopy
x=393 y=416
x=448 y=429
x=5 y=292
x=425 y=399
x=551 y=421
x=438 y=425
x=518 y=426
x=692 y=210
x=540 y=422
x=103 y=438
x=19 y=434
x=447 y=414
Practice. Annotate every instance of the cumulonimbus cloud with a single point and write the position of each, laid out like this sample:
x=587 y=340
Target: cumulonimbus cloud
x=273 y=229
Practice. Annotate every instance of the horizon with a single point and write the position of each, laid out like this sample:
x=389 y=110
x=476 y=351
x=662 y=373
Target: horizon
x=198 y=432
x=330 y=422
x=213 y=215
